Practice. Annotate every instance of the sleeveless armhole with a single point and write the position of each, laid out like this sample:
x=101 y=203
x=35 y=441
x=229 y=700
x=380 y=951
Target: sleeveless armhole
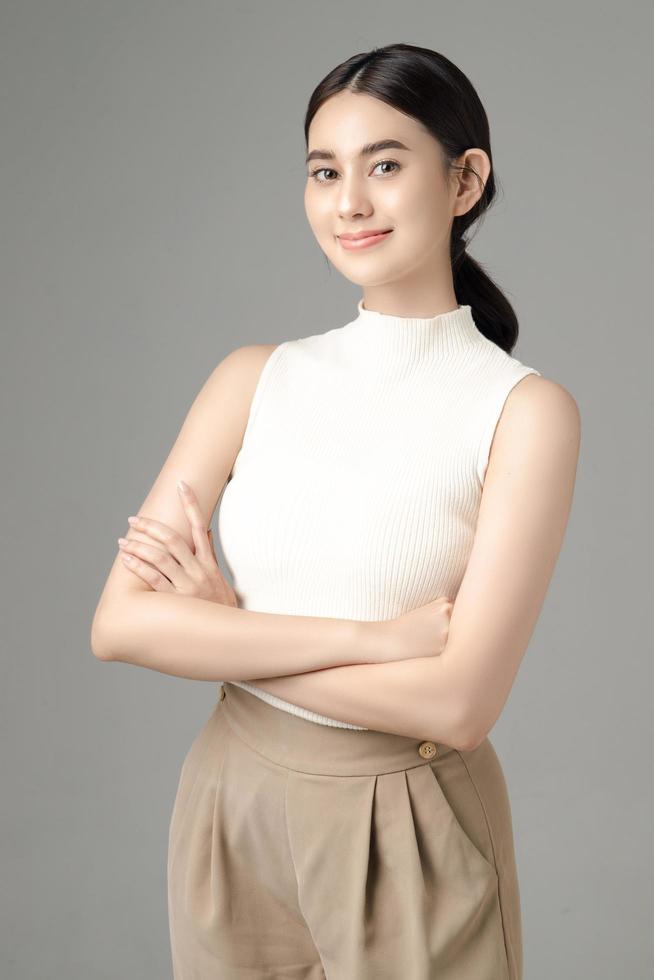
x=494 y=406
x=260 y=388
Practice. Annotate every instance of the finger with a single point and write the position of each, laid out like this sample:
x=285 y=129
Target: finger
x=148 y=574
x=198 y=524
x=162 y=561
x=147 y=529
x=191 y=572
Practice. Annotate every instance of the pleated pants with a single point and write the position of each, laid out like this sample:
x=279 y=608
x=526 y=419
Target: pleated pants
x=299 y=851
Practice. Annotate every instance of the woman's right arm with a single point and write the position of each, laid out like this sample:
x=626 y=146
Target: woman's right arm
x=195 y=638
x=202 y=640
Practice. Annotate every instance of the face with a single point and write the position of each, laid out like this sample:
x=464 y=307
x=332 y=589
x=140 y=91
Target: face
x=404 y=191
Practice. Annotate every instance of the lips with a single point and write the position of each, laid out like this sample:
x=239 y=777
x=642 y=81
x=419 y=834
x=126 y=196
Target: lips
x=356 y=235
x=368 y=239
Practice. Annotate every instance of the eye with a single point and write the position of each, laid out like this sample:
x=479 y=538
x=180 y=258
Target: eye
x=393 y=162
x=314 y=173
x=320 y=170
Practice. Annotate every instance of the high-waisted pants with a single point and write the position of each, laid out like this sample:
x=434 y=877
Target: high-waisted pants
x=301 y=851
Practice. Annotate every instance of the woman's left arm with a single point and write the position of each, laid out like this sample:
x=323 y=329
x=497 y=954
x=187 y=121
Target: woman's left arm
x=523 y=515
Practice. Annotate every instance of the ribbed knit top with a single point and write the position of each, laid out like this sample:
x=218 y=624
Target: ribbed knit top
x=356 y=490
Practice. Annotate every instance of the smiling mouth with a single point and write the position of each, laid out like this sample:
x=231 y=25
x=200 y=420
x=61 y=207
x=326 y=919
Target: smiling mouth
x=353 y=244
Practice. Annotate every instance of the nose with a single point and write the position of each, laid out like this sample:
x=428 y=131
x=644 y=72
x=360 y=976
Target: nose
x=352 y=198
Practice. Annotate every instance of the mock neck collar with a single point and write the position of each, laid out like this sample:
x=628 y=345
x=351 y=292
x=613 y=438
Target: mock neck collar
x=417 y=337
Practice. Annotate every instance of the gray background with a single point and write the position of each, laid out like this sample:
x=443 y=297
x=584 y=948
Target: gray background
x=151 y=183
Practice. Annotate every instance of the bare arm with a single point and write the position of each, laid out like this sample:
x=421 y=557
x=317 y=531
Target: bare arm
x=191 y=637
x=201 y=640
x=524 y=511
x=417 y=697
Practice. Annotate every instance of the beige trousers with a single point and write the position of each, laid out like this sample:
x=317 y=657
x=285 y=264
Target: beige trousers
x=299 y=851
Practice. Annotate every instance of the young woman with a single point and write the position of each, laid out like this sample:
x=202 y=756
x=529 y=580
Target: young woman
x=342 y=813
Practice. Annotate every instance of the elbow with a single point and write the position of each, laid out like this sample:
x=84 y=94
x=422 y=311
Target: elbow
x=100 y=644
x=467 y=726
x=101 y=653
x=469 y=740
x=100 y=649
x=462 y=729
x=471 y=730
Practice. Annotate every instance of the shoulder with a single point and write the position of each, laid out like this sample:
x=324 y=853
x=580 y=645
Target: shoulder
x=228 y=390
x=241 y=369
x=543 y=402
x=540 y=417
x=248 y=359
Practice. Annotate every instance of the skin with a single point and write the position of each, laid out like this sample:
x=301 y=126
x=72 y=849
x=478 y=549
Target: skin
x=409 y=274
x=442 y=671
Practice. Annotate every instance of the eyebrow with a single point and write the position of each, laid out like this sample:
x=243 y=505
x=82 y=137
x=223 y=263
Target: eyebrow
x=366 y=150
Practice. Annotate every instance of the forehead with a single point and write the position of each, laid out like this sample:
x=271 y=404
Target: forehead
x=348 y=120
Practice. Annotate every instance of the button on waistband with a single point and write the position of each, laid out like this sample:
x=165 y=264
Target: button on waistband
x=427 y=749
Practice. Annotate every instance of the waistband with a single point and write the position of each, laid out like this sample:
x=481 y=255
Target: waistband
x=297 y=743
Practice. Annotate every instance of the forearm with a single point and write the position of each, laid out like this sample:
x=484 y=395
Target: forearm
x=202 y=640
x=417 y=698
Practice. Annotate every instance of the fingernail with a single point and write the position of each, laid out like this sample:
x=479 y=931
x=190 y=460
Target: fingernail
x=132 y=520
x=122 y=542
x=182 y=486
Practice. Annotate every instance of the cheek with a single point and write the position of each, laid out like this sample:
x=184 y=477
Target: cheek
x=421 y=203
x=422 y=218
x=319 y=215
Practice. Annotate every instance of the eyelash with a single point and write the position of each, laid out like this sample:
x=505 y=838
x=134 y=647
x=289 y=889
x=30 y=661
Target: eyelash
x=320 y=170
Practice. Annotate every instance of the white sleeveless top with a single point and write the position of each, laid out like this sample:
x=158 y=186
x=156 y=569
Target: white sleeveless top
x=356 y=490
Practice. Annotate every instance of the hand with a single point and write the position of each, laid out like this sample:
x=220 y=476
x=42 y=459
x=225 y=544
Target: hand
x=170 y=565
x=421 y=632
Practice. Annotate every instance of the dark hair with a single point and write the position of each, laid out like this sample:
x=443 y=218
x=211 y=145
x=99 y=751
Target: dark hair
x=424 y=84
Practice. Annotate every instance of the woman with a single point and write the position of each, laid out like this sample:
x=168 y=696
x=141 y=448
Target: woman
x=342 y=813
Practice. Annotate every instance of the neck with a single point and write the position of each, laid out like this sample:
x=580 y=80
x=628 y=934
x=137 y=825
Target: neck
x=410 y=304
x=397 y=338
